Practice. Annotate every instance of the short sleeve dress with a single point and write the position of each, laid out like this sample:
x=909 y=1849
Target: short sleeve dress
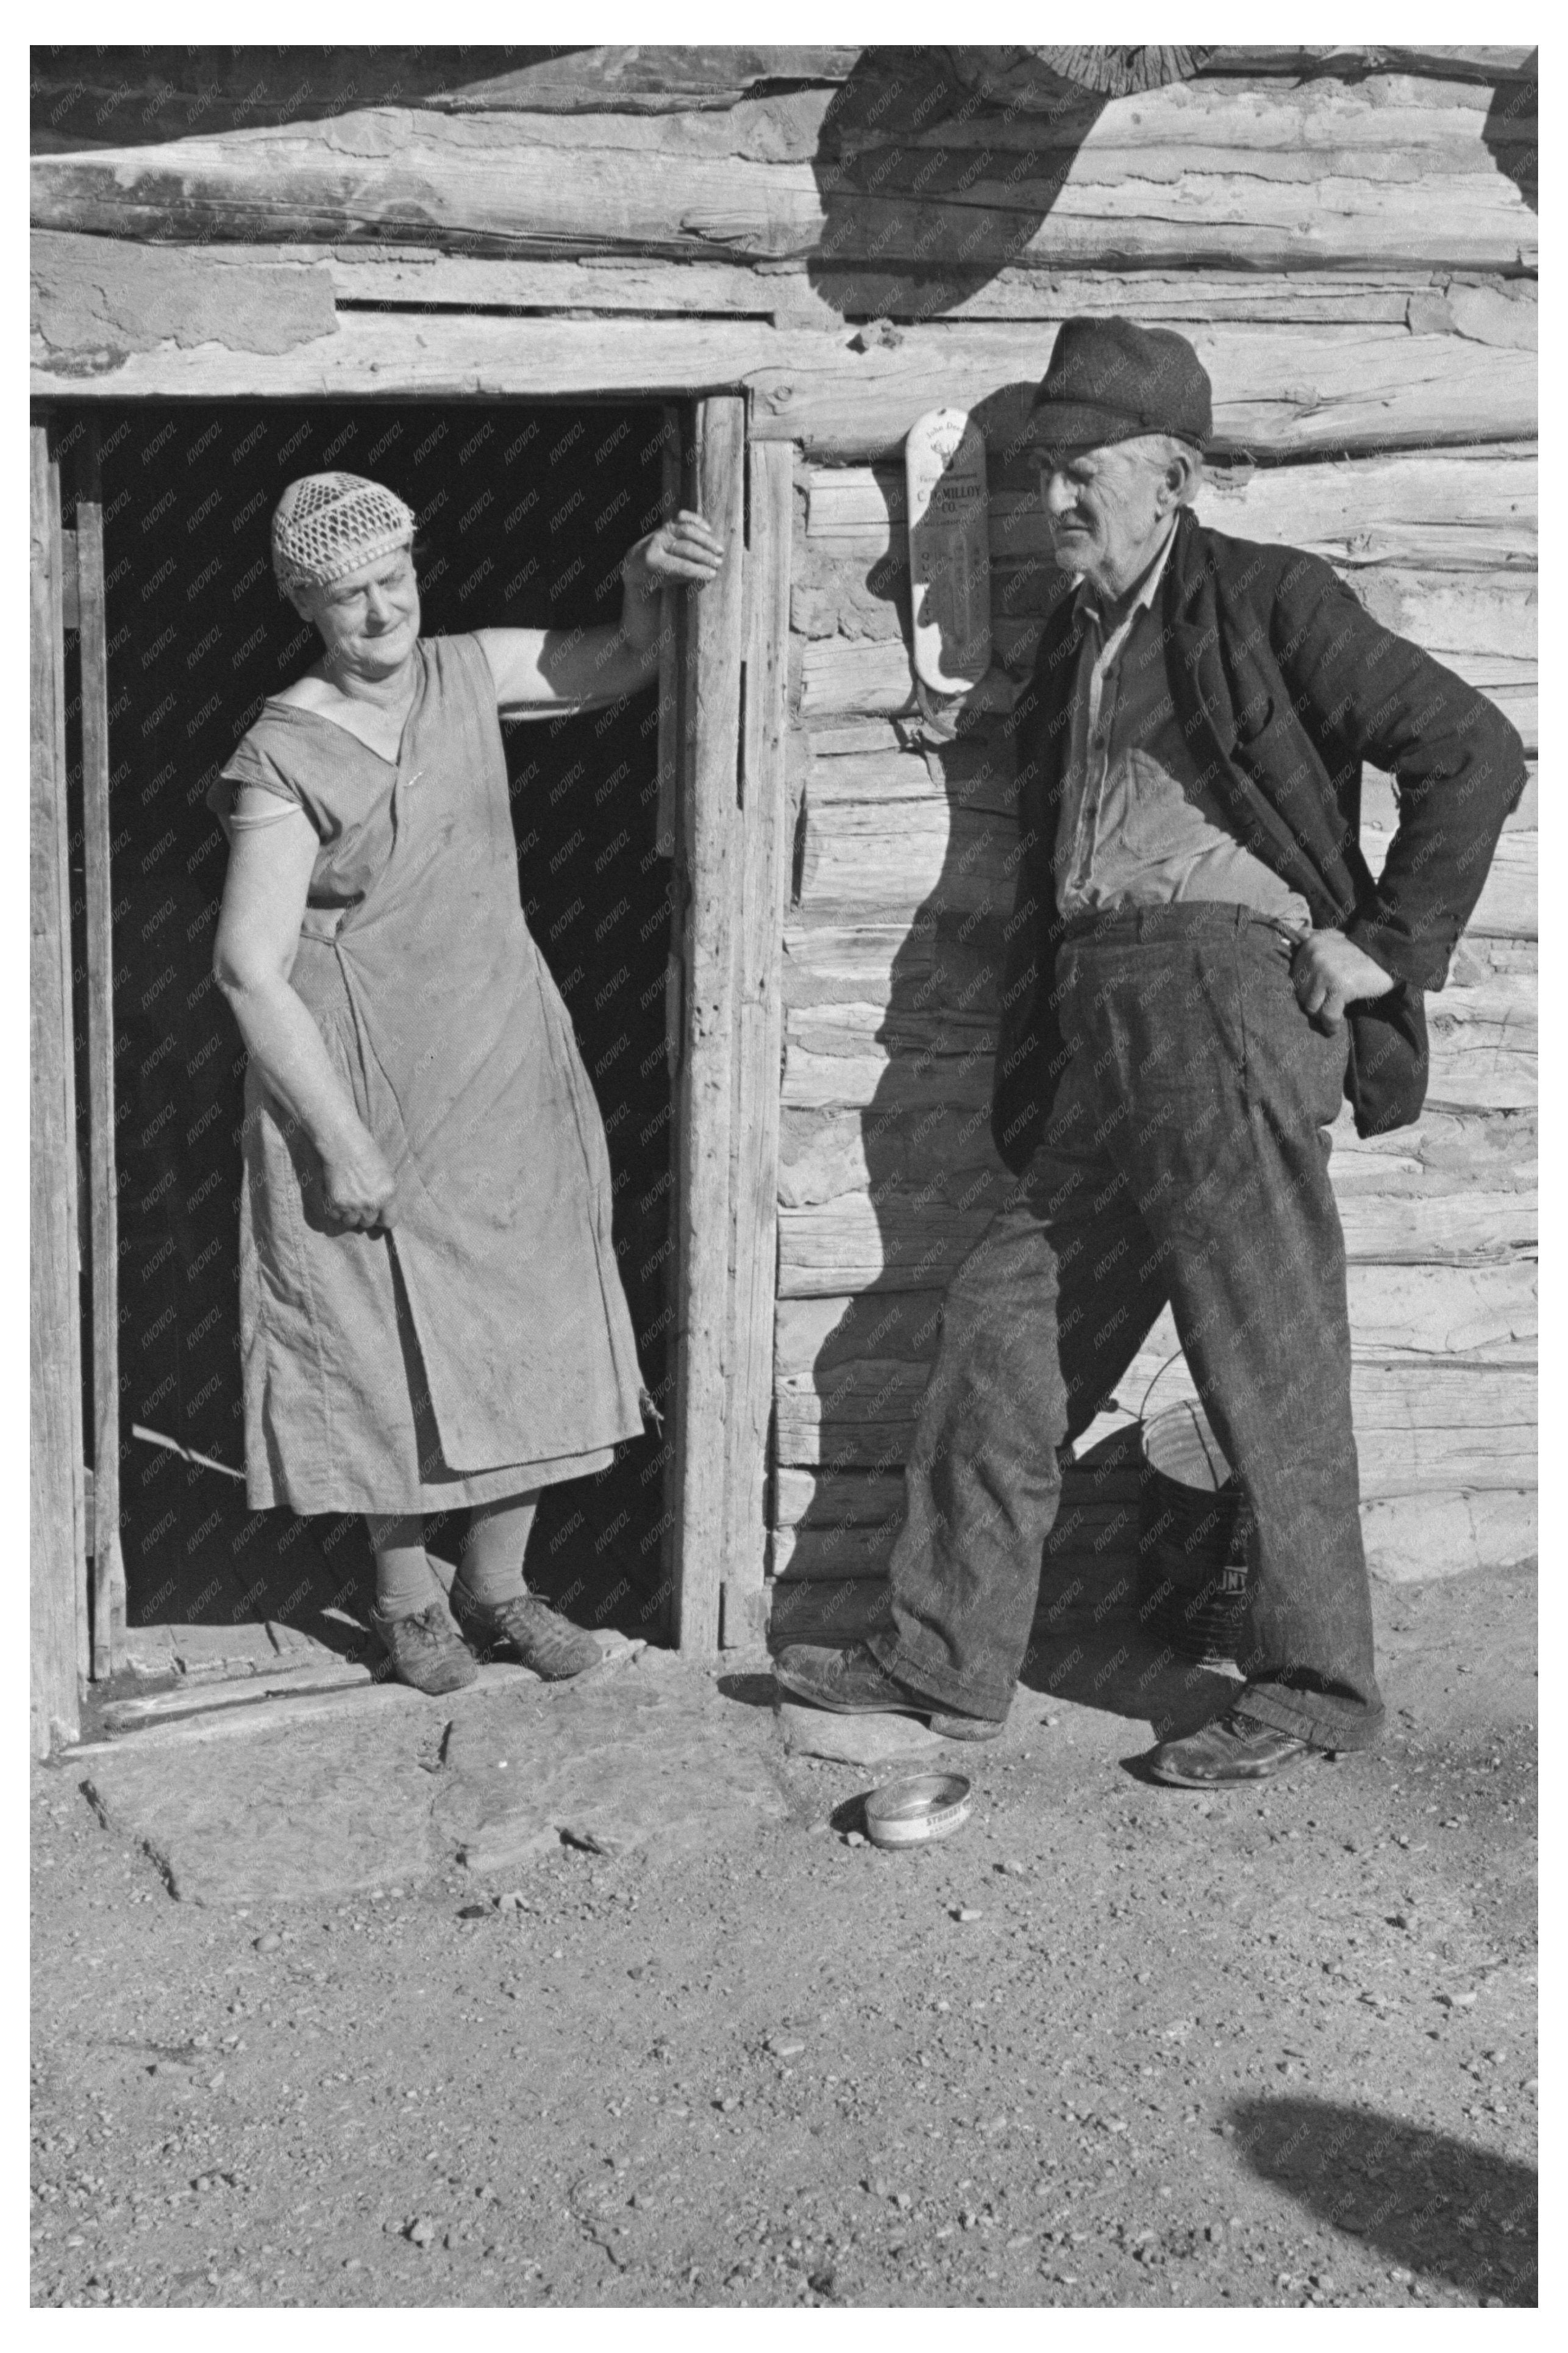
x=483 y=1345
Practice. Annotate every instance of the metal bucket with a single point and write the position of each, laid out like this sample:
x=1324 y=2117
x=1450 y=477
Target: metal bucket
x=1192 y=1542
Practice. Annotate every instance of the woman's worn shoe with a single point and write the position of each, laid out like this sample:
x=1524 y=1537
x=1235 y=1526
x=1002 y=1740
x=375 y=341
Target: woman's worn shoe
x=540 y=1636
x=1232 y=1747
x=426 y=1650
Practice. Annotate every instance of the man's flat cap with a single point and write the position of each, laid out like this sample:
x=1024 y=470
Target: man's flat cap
x=1109 y=380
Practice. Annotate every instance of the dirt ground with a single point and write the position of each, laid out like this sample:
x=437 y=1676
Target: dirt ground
x=1111 y=2045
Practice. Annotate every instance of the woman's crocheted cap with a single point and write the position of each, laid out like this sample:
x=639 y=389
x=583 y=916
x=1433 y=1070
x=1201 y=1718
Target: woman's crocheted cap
x=325 y=525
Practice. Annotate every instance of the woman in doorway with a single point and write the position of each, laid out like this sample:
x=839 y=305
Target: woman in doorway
x=431 y=1315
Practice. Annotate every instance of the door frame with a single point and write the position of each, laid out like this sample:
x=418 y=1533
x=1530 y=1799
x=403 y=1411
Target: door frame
x=723 y=673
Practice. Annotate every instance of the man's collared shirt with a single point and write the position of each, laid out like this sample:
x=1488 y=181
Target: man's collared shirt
x=1138 y=826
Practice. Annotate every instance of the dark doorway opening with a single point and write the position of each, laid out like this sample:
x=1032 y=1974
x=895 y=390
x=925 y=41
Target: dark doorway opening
x=525 y=513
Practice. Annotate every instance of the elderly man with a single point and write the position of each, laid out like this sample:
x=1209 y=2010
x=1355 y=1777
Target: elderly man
x=1200 y=965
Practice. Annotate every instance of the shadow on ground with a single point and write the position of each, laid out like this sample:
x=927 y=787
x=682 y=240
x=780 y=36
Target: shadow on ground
x=1433 y=2203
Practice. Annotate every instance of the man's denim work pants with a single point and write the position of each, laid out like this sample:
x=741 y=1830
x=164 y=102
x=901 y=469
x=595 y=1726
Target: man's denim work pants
x=1185 y=1159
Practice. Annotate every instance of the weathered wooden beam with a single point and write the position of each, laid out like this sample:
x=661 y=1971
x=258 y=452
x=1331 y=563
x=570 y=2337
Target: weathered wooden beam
x=97 y=299
x=1438 y=1532
x=1482 y=1039
x=1445 y=1531
x=395 y=277
x=1482 y=617
x=108 y=1561
x=761 y=879
x=661 y=80
x=1466 y=1426
x=1280 y=177
x=852 y=1245
x=57 y=1551
x=711 y=837
x=671 y=668
x=1280 y=390
x=827 y=1153
x=868 y=763
x=868 y=864
x=92 y=92
x=1486 y=66
x=1465 y=510
x=392 y=276
x=866 y=1358
x=82 y=96
x=1286 y=391
x=869 y=676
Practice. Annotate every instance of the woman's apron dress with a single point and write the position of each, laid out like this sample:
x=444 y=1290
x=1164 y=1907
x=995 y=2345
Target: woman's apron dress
x=484 y=1345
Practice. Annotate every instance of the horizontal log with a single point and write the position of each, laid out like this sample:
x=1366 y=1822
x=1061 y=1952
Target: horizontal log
x=1390 y=117
x=1454 y=509
x=92 y=295
x=827 y=1153
x=1175 y=297
x=850 y=1244
x=1380 y=811
x=800 y=1611
x=1482 y=1040
x=1409 y=1538
x=1443 y=1532
x=160 y=92
x=1508 y=906
x=967 y=774
x=1470 y=1426
x=872 y=676
x=832 y=1553
x=819 y=1411
x=372 y=355
x=1280 y=391
x=811 y=1499
x=864 y=864
x=954 y=1074
x=1397 y=1402
x=668 y=78
x=396 y=276
x=1487 y=1314
x=865 y=761
x=1445 y=1151
x=1485 y=65
x=1287 y=389
x=1269 y=179
x=1481 y=624
x=1499 y=1012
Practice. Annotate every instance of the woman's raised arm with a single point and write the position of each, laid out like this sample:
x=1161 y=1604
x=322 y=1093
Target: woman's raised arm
x=552 y=669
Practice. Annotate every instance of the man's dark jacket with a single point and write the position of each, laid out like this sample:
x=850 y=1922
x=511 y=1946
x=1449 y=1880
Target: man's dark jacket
x=1283 y=684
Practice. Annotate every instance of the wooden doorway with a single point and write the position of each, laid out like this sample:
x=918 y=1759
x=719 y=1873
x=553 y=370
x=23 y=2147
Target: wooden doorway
x=714 y=782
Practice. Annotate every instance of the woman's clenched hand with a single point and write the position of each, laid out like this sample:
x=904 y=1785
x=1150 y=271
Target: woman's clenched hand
x=359 y=1188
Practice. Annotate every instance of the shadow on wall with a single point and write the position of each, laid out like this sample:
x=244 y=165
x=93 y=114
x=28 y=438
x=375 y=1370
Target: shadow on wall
x=913 y=227
x=1435 y=2204
x=140 y=97
x=1509 y=132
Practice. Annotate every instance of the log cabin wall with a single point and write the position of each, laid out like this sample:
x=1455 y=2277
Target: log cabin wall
x=848 y=238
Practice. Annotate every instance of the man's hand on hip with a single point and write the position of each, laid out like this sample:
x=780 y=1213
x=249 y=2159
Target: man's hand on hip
x=1330 y=972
